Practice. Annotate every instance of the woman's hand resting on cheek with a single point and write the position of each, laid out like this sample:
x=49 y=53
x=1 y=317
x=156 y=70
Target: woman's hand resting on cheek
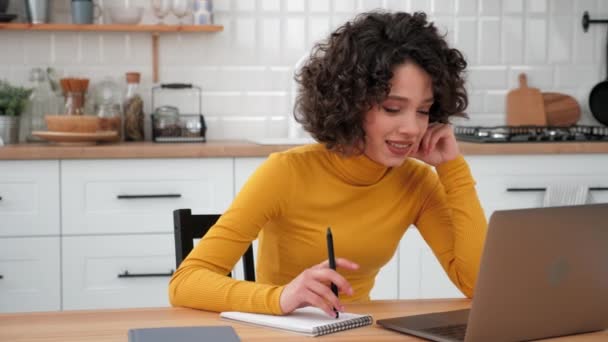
x=438 y=145
x=311 y=287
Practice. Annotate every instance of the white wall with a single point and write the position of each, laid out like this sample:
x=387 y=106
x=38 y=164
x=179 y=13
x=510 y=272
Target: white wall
x=246 y=70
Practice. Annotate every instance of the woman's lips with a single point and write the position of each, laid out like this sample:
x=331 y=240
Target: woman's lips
x=400 y=148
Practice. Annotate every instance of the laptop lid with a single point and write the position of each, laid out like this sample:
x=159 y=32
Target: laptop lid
x=544 y=272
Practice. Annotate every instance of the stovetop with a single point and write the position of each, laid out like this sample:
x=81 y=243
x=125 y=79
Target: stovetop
x=531 y=134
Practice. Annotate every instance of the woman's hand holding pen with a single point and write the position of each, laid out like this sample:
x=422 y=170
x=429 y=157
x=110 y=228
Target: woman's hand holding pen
x=438 y=145
x=311 y=287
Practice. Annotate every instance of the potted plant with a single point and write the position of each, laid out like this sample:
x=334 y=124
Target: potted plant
x=12 y=103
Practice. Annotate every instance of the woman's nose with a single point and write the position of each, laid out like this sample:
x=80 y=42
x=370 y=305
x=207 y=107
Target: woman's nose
x=408 y=124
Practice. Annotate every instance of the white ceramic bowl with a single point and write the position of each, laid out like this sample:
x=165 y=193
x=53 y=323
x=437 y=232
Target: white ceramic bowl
x=125 y=15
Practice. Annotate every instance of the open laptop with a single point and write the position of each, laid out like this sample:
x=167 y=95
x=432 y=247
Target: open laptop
x=543 y=273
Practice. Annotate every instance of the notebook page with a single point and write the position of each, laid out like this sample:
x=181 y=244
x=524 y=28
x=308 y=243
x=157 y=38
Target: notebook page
x=308 y=320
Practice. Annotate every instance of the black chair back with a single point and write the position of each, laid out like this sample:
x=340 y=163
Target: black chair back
x=188 y=227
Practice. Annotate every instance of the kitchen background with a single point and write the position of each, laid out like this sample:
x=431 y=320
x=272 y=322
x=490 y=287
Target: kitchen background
x=246 y=70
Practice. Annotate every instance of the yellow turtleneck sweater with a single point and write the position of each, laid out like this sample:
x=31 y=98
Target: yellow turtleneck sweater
x=292 y=198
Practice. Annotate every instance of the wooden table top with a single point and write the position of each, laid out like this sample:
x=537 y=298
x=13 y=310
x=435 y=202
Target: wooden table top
x=113 y=325
x=228 y=148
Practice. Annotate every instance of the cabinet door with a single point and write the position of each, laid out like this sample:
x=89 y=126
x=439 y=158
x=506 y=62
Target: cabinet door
x=117 y=271
x=386 y=285
x=29 y=198
x=134 y=196
x=29 y=274
x=420 y=274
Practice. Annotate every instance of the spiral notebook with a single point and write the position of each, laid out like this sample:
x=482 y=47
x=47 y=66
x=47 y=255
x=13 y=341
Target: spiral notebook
x=309 y=321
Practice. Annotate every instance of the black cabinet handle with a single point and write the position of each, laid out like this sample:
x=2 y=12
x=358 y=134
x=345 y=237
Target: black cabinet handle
x=149 y=196
x=545 y=189
x=0 y=198
x=1 y=276
x=176 y=85
x=126 y=274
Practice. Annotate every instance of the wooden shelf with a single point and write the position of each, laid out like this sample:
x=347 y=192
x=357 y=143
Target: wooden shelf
x=156 y=30
x=110 y=28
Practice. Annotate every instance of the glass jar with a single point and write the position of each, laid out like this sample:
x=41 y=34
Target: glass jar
x=133 y=109
x=108 y=107
x=42 y=101
x=166 y=121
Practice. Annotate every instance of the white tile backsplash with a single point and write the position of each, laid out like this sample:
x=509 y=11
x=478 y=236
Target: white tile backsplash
x=319 y=6
x=512 y=40
x=443 y=7
x=246 y=71
x=535 y=48
x=295 y=5
x=466 y=38
x=466 y=7
x=348 y=6
x=512 y=6
x=421 y=5
x=560 y=39
x=242 y=5
x=490 y=7
x=489 y=42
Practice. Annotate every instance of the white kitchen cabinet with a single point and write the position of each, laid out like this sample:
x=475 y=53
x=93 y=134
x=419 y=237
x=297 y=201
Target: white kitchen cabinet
x=420 y=274
x=29 y=274
x=387 y=280
x=29 y=198
x=134 y=196
x=499 y=177
x=119 y=271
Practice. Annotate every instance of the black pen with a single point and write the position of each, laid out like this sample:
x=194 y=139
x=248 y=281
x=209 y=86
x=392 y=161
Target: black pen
x=332 y=262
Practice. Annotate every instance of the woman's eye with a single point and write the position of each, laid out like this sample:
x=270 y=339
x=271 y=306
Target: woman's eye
x=424 y=112
x=391 y=110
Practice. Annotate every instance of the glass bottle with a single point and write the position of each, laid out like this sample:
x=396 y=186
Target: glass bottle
x=42 y=101
x=133 y=124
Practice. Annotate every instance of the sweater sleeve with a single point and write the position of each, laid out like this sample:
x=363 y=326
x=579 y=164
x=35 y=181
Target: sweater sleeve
x=201 y=281
x=453 y=223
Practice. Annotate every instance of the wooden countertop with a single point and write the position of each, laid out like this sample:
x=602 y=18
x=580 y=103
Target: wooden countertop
x=113 y=325
x=233 y=148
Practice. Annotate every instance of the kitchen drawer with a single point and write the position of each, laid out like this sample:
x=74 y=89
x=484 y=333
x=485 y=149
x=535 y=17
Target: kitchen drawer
x=30 y=274
x=119 y=271
x=133 y=196
x=540 y=165
x=516 y=191
x=29 y=198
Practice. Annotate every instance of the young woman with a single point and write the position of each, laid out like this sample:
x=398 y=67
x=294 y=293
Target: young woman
x=376 y=95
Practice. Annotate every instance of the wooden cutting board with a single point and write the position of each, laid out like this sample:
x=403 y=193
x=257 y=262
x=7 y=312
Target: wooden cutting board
x=525 y=105
x=561 y=109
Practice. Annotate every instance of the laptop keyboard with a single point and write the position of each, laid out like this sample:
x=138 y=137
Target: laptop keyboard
x=456 y=332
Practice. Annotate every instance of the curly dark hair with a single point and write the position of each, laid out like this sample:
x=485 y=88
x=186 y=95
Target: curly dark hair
x=349 y=72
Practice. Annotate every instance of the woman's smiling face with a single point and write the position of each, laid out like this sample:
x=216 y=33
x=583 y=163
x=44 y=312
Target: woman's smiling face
x=394 y=128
